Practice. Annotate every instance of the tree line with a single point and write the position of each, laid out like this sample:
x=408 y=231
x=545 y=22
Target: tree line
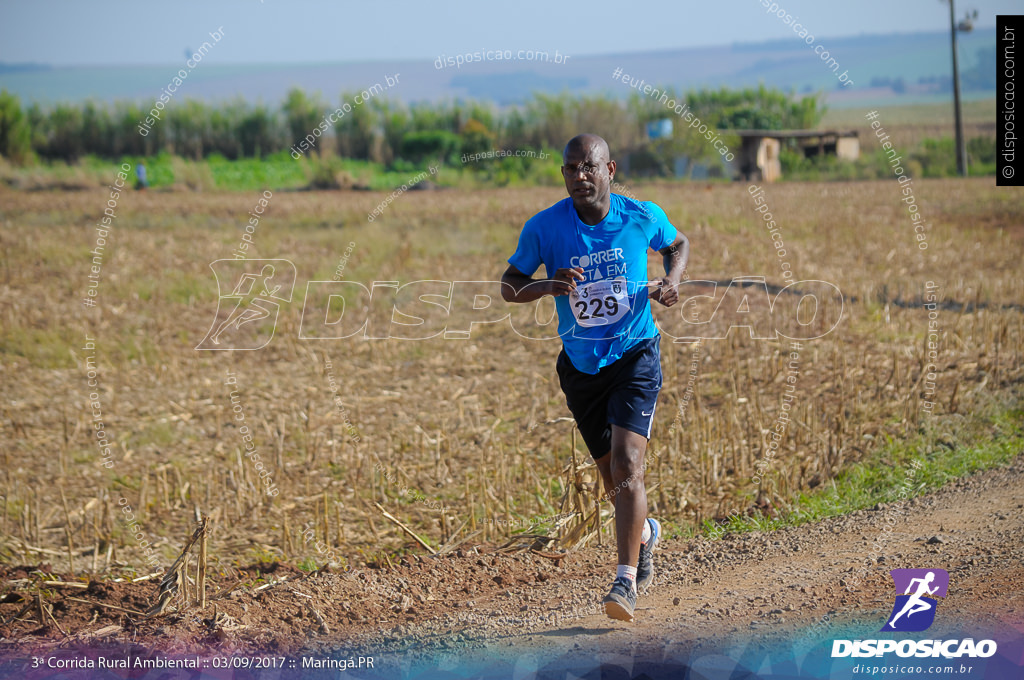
x=390 y=132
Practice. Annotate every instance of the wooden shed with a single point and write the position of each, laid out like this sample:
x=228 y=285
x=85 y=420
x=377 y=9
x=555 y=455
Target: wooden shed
x=758 y=159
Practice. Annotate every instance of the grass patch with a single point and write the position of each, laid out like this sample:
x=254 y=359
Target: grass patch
x=947 y=449
x=45 y=348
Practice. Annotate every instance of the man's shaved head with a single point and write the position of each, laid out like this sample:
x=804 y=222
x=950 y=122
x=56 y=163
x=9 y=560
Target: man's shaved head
x=588 y=142
x=588 y=171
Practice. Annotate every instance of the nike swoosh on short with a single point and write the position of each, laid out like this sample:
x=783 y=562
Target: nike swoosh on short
x=645 y=413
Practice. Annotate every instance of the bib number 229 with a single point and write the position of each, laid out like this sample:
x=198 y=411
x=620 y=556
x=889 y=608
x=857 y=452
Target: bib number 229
x=600 y=303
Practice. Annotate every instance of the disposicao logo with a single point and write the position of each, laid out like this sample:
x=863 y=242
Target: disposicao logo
x=258 y=288
x=914 y=611
x=915 y=608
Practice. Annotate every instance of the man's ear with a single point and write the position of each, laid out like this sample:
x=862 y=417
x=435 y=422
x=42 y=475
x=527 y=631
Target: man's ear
x=611 y=169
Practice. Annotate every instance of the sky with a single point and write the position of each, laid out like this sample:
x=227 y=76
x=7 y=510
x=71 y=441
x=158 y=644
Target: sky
x=122 y=32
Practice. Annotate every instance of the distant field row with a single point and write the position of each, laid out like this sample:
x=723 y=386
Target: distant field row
x=976 y=113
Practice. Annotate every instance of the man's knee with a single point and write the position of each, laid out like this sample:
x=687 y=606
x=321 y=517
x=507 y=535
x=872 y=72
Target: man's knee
x=628 y=465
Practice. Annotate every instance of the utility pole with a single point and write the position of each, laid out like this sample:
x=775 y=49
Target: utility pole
x=966 y=26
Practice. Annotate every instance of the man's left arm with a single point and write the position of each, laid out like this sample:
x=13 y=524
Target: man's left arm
x=675 y=256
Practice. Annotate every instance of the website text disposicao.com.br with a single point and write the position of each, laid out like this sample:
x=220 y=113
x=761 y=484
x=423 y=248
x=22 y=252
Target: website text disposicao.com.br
x=309 y=141
x=504 y=153
x=499 y=55
x=903 y=670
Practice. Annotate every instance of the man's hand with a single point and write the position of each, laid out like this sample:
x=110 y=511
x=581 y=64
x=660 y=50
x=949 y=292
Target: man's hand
x=667 y=293
x=564 y=281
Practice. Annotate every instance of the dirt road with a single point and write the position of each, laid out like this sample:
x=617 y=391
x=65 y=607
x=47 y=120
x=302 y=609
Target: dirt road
x=714 y=602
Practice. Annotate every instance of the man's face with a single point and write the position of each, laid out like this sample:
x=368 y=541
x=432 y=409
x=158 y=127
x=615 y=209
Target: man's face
x=588 y=175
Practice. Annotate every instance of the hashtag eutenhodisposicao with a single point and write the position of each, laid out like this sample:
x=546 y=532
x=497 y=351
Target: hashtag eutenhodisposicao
x=102 y=230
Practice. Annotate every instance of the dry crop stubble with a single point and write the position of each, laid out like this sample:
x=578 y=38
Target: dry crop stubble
x=463 y=427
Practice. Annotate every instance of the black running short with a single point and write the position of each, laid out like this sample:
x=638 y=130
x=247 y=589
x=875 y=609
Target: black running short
x=623 y=393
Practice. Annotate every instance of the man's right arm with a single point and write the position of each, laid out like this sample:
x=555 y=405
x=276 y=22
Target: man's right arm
x=518 y=287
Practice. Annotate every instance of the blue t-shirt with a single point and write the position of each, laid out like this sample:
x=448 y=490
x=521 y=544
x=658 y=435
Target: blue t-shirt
x=611 y=312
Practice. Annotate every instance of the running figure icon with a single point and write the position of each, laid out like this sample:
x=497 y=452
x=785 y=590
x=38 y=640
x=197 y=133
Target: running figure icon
x=257 y=309
x=250 y=296
x=917 y=597
x=915 y=604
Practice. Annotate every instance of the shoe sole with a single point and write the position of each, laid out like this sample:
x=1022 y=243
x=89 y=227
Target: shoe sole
x=616 y=610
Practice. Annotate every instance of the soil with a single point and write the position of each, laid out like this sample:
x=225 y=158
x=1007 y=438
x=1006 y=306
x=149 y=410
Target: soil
x=818 y=578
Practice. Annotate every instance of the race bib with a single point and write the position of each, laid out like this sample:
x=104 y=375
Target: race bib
x=600 y=303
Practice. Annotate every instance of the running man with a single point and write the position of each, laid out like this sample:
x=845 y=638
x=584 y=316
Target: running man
x=593 y=246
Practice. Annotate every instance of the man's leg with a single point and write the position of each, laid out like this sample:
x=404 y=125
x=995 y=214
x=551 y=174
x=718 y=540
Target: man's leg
x=623 y=471
x=604 y=466
x=628 y=493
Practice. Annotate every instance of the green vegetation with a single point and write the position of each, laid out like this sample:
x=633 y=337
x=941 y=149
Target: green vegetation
x=945 y=449
x=931 y=158
x=310 y=142
x=380 y=145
